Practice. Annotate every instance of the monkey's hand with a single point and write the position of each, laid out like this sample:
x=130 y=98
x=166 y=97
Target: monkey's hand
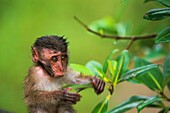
x=98 y=85
x=71 y=98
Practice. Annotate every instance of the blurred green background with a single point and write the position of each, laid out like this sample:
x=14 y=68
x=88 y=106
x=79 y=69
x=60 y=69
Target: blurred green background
x=22 y=21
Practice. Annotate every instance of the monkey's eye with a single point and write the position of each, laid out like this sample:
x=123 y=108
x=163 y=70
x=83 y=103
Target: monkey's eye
x=63 y=57
x=54 y=59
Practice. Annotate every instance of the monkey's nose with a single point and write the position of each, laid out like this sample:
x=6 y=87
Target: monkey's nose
x=60 y=67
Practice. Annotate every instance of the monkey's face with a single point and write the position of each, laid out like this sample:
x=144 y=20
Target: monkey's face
x=55 y=63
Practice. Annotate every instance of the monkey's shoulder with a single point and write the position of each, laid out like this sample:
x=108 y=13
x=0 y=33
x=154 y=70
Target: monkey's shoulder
x=42 y=80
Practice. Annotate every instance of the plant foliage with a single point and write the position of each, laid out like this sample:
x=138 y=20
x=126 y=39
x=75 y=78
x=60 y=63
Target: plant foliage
x=116 y=69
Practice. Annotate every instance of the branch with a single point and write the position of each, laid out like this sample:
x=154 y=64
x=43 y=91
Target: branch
x=130 y=44
x=115 y=37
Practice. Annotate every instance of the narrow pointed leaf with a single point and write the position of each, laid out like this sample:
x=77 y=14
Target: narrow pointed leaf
x=105 y=66
x=163 y=36
x=148 y=102
x=166 y=72
x=102 y=107
x=168 y=84
x=153 y=79
x=165 y=110
x=122 y=65
x=133 y=102
x=112 y=68
x=148 y=1
x=137 y=71
x=165 y=2
x=157 y=14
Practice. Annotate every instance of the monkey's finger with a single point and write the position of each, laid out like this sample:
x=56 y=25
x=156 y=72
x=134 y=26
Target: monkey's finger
x=72 y=100
x=99 y=82
x=72 y=96
x=98 y=87
x=95 y=82
x=101 y=88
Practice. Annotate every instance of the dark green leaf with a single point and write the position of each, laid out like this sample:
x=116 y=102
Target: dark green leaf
x=163 y=36
x=105 y=66
x=122 y=65
x=81 y=68
x=148 y=102
x=165 y=110
x=152 y=79
x=165 y=2
x=137 y=71
x=132 y=102
x=168 y=85
x=157 y=14
x=102 y=107
x=148 y=1
x=96 y=68
x=166 y=72
x=156 y=53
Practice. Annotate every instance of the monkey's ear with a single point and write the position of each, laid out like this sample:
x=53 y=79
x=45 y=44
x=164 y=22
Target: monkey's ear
x=35 y=57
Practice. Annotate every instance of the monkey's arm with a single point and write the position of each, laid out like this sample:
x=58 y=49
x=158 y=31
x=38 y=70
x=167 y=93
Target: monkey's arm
x=78 y=78
x=53 y=97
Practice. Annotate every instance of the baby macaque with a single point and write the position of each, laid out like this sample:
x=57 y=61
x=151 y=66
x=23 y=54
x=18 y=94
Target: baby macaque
x=43 y=92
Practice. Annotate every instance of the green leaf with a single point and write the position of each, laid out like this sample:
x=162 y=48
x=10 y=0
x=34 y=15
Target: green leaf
x=104 y=25
x=112 y=68
x=121 y=29
x=137 y=71
x=148 y=1
x=133 y=102
x=81 y=68
x=163 y=36
x=96 y=68
x=105 y=66
x=153 y=79
x=168 y=84
x=165 y=2
x=165 y=110
x=148 y=102
x=157 y=14
x=166 y=72
x=122 y=65
x=102 y=107
x=156 y=53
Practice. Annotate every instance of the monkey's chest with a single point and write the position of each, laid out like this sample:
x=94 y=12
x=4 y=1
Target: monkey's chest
x=49 y=85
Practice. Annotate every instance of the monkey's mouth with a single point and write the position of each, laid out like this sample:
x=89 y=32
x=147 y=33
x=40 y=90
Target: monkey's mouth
x=58 y=73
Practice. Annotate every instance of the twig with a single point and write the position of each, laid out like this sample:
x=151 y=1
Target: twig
x=130 y=44
x=133 y=38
